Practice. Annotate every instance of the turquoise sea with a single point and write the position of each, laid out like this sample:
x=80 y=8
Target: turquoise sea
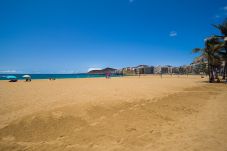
x=57 y=76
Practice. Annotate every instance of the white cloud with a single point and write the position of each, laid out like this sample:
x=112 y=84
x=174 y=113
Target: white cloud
x=173 y=34
x=7 y=71
x=90 y=69
x=222 y=13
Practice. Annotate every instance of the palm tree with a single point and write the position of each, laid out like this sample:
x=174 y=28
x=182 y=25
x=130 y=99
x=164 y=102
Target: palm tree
x=210 y=54
x=223 y=29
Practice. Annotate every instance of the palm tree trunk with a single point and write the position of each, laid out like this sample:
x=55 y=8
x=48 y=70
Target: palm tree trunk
x=217 y=70
x=210 y=71
x=224 y=72
x=211 y=74
x=225 y=67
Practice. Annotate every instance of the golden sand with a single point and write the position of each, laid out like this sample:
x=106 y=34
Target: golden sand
x=120 y=114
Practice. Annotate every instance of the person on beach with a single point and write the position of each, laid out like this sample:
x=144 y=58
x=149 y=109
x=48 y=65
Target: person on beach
x=51 y=79
x=108 y=75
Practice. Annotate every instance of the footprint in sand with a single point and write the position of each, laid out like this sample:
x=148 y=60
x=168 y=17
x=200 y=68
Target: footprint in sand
x=119 y=141
x=60 y=138
x=131 y=129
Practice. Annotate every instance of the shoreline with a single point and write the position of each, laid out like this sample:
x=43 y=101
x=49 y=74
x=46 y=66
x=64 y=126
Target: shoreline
x=103 y=76
x=57 y=76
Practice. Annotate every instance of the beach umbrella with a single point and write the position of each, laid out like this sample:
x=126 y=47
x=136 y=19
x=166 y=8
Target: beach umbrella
x=11 y=77
x=26 y=76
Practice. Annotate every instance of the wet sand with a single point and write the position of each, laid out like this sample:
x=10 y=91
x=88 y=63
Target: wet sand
x=120 y=114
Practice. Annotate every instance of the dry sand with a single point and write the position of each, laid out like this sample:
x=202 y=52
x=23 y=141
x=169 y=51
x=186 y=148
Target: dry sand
x=120 y=114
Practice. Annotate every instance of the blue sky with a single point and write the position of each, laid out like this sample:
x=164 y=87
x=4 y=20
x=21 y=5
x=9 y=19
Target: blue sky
x=44 y=36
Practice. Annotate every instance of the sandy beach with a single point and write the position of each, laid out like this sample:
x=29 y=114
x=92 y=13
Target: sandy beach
x=118 y=114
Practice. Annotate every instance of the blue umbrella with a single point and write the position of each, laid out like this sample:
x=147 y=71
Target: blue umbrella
x=11 y=77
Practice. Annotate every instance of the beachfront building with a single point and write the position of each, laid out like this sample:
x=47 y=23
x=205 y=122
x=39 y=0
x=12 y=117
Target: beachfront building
x=186 y=69
x=167 y=69
x=150 y=70
x=119 y=71
x=129 y=71
x=141 y=69
x=175 y=70
x=163 y=69
x=189 y=69
x=158 y=70
x=144 y=69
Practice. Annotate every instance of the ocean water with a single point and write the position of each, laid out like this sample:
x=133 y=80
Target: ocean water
x=57 y=76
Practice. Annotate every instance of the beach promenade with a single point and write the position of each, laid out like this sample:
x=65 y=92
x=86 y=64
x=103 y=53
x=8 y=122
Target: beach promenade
x=119 y=114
